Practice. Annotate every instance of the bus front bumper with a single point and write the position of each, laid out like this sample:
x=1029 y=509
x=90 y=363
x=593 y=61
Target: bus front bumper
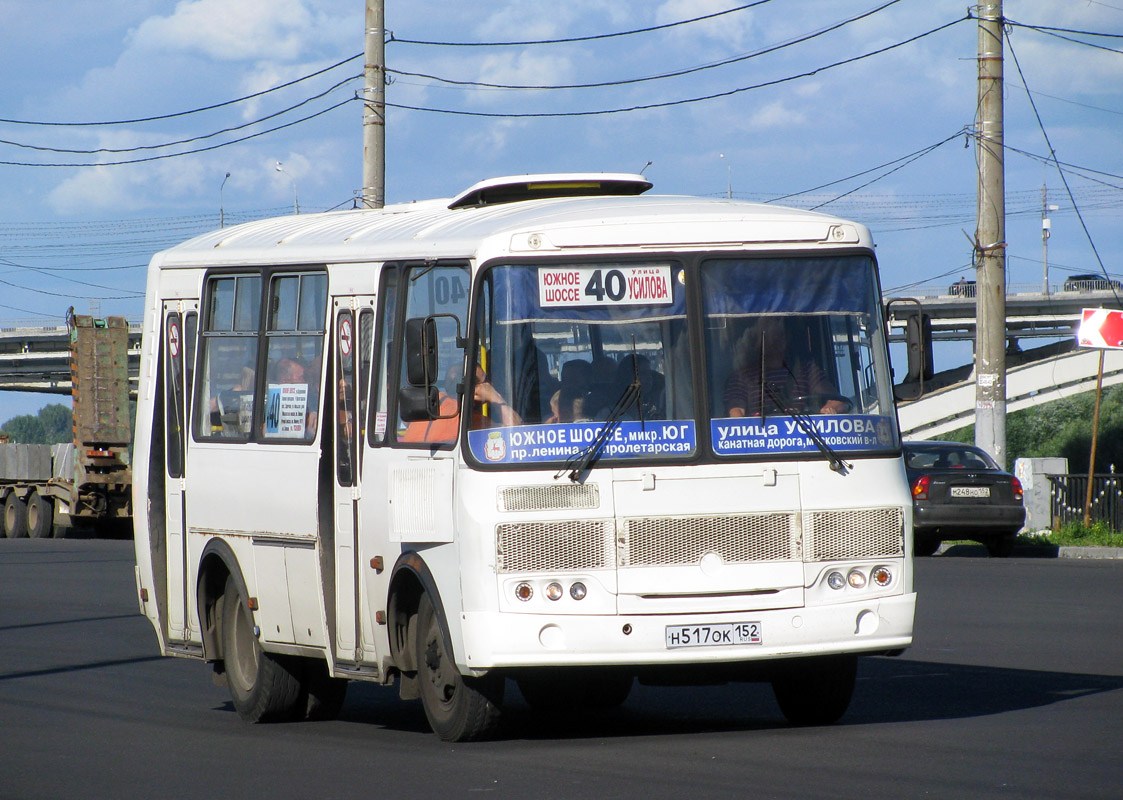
x=494 y=640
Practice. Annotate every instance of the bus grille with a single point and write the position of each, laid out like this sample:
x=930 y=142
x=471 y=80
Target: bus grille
x=681 y=541
x=857 y=533
x=549 y=498
x=554 y=546
x=738 y=539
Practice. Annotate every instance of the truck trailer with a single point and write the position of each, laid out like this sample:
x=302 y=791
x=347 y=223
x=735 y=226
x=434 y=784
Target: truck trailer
x=86 y=484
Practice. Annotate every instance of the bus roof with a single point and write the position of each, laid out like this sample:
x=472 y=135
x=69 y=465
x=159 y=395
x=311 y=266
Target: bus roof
x=470 y=226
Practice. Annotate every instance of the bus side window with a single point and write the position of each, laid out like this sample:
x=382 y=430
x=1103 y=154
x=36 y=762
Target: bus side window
x=228 y=345
x=294 y=355
x=437 y=290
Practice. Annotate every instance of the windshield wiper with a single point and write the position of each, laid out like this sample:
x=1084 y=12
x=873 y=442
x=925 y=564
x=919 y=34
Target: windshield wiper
x=807 y=425
x=584 y=459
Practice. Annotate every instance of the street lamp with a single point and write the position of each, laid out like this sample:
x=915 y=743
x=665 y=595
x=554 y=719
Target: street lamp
x=729 y=176
x=295 y=201
x=221 y=211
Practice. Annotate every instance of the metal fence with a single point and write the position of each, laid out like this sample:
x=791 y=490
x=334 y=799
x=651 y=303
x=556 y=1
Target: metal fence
x=1070 y=492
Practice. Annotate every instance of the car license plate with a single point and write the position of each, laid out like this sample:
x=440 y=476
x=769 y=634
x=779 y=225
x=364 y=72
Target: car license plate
x=713 y=634
x=970 y=491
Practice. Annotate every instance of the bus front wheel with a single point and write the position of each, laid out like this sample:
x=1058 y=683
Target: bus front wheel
x=459 y=709
x=264 y=687
x=817 y=690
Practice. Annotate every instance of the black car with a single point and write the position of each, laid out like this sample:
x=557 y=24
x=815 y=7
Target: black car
x=959 y=492
x=1091 y=283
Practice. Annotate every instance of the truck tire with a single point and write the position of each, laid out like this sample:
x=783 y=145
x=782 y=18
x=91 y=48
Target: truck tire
x=40 y=512
x=15 y=517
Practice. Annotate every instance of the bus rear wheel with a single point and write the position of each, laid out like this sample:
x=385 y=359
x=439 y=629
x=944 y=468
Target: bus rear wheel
x=817 y=690
x=459 y=709
x=264 y=687
x=15 y=517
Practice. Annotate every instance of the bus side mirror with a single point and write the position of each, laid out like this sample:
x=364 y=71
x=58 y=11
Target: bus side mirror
x=421 y=351
x=419 y=403
x=918 y=347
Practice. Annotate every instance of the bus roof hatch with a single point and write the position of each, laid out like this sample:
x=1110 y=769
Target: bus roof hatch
x=513 y=189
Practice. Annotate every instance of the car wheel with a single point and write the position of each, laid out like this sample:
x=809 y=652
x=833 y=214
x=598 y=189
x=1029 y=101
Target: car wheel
x=925 y=545
x=1000 y=546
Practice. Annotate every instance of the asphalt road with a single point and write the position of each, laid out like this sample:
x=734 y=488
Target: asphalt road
x=1014 y=689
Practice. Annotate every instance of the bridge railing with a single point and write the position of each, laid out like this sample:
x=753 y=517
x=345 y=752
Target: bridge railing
x=1070 y=492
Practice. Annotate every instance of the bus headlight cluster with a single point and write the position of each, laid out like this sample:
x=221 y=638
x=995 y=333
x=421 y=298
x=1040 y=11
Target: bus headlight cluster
x=553 y=591
x=857 y=578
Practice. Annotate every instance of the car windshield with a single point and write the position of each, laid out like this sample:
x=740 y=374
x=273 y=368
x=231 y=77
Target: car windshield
x=576 y=362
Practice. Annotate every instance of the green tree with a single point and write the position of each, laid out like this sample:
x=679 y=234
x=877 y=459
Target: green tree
x=25 y=429
x=58 y=423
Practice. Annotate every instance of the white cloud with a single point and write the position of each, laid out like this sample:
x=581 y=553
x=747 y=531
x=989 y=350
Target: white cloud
x=730 y=29
x=230 y=30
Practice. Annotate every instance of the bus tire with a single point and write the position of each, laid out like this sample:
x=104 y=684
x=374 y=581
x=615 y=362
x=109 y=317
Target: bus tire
x=459 y=709
x=816 y=690
x=40 y=510
x=15 y=517
x=325 y=694
x=264 y=687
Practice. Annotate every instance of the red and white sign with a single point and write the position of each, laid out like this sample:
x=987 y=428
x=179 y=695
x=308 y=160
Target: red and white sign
x=605 y=286
x=1100 y=327
x=173 y=340
x=345 y=336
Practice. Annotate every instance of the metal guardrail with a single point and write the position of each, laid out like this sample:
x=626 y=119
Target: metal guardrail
x=1070 y=492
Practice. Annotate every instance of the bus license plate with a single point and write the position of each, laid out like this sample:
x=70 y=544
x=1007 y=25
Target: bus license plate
x=970 y=491
x=713 y=635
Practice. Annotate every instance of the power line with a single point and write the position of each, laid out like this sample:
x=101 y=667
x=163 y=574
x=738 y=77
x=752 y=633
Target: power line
x=1064 y=180
x=573 y=39
x=671 y=103
x=182 y=113
x=661 y=76
x=142 y=148
x=185 y=152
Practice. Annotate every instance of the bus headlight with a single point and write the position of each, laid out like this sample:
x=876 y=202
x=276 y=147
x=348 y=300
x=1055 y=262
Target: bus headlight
x=578 y=591
x=835 y=580
x=554 y=591
x=524 y=591
x=856 y=579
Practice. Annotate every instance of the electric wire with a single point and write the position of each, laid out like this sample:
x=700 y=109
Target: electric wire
x=573 y=39
x=184 y=152
x=680 y=102
x=1064 y=180
x=661 y=76
x=143 y=148
x=181 y=113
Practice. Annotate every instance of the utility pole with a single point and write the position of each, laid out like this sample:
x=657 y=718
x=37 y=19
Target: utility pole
x=374 y=106
x=990 y=241
x=1046 y=229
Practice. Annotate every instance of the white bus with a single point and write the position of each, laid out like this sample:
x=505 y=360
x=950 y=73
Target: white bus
x=680 y=462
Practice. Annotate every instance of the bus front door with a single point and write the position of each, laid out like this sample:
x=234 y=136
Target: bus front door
x=180 y=323
x=353 y=333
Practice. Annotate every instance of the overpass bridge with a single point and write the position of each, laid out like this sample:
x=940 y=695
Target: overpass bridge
x=34 y=354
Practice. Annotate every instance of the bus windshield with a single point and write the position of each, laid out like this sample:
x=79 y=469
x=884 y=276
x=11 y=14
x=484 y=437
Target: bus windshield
x=600 y=359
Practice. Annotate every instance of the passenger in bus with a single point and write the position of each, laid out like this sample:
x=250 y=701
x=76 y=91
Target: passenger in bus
x=802 y=378
x=568 y=403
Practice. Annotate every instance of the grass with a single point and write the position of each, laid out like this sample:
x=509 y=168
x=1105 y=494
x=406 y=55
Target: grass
x=1076 y=534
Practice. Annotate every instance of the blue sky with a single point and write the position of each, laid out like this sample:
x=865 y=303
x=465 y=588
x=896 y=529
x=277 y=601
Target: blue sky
x=76 y=235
